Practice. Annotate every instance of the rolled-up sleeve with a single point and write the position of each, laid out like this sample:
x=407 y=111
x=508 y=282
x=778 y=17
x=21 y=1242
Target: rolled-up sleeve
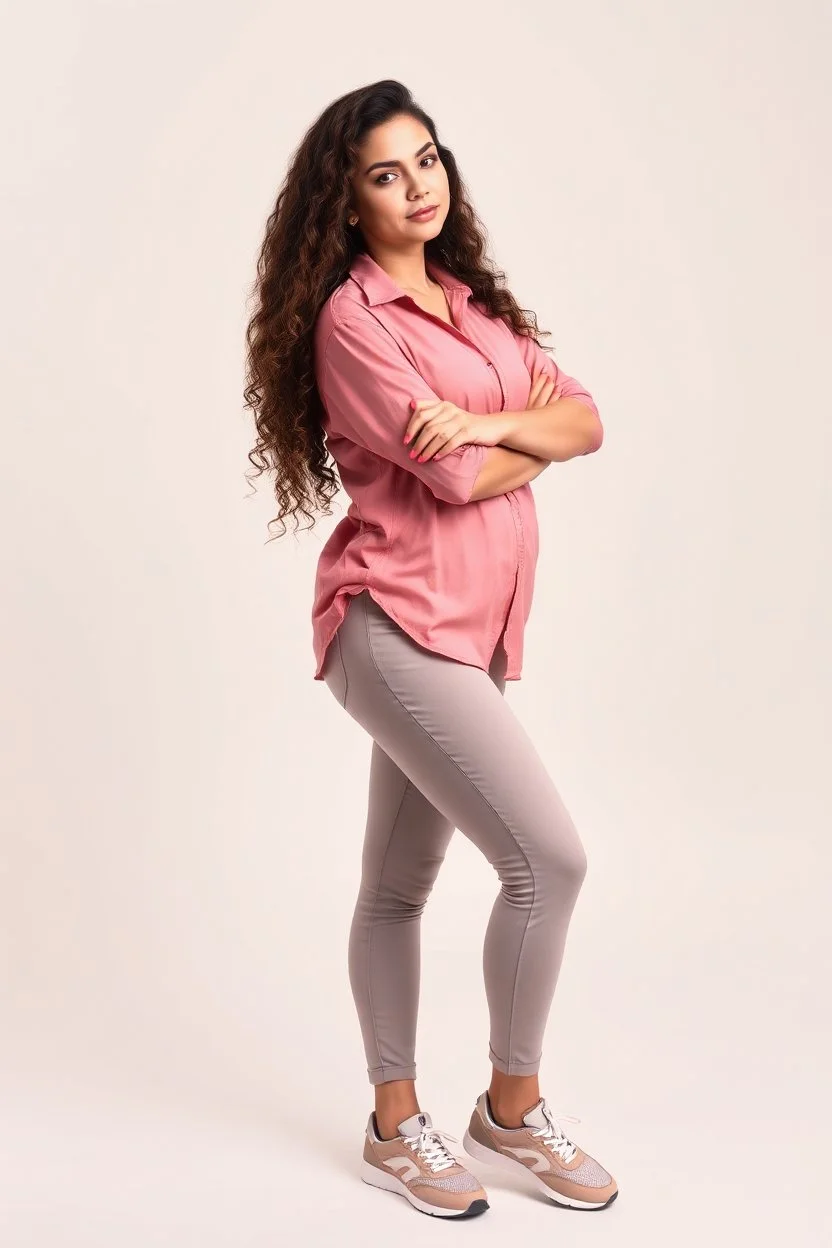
x=538 y=361
x=366 y=384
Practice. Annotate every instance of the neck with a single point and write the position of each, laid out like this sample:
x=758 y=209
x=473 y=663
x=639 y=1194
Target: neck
x=407 y=268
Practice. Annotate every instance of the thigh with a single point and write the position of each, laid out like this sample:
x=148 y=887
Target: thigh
x=334 y=670
x=406 y=837
x=449 y=729
x=394 y=800
x=392 y=794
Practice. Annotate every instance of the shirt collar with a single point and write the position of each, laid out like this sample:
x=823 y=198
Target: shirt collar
x=379 y=286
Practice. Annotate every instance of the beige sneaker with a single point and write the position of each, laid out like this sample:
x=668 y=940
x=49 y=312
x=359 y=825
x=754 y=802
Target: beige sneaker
x=562 y=1171
x=418 y=1165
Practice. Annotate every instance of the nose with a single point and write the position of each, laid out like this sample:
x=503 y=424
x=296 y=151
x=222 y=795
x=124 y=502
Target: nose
x=418 y=184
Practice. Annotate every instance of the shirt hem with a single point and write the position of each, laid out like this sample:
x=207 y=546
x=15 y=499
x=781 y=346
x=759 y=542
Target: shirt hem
x=406 y=627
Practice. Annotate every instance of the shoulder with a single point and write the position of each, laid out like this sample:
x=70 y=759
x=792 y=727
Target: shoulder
x=349 y=340
x=345 y=309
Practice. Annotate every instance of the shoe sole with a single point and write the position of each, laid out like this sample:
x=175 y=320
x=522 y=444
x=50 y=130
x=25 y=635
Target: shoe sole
x=389 y=1183
x=480 y=1153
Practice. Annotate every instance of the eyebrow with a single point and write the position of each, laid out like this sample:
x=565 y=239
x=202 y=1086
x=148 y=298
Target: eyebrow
x=383 y=164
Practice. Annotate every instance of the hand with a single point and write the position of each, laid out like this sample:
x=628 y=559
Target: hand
x=544 y=390
x=439 y=428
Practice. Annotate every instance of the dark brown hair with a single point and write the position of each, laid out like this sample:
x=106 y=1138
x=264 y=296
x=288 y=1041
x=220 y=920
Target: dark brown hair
x=306 y=253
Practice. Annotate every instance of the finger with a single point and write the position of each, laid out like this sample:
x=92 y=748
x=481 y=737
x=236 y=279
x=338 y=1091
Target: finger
x=450 y=445
x=421 y=441
x=546 y=391
x=432 y=445
x=540 y=392
x=419 y=416
x=415 y=423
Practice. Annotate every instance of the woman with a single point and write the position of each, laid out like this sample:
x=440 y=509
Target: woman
x=381 y=327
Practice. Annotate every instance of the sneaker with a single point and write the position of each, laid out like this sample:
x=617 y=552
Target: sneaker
x=562 y=1171
x=416 y=1164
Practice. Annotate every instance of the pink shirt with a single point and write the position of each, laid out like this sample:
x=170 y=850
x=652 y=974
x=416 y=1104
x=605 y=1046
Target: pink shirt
x=448 y=571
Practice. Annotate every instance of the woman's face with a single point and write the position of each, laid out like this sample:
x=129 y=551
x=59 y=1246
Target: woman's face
x=398 y=171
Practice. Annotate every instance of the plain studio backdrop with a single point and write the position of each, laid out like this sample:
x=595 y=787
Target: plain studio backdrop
x=183 y=806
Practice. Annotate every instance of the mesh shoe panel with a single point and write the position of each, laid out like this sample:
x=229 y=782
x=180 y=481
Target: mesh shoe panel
x=464 y=1182
x=588 y=1172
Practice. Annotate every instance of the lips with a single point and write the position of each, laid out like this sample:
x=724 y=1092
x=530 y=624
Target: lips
x=423 y=212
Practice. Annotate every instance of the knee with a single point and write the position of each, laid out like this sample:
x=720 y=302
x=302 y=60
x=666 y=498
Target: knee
x=400 y=907
x=560 y=866
x=577 y=864
x=556 y=868
x=395 y=901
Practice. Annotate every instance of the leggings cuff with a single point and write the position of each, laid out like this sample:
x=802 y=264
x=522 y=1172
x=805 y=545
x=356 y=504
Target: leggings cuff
x=384 y=1074
x=514 y=1067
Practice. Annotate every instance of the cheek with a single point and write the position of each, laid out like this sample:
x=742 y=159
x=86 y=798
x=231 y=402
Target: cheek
x=387 y=209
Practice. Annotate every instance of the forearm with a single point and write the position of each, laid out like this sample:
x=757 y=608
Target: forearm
x=558 y=431
x=504 y=469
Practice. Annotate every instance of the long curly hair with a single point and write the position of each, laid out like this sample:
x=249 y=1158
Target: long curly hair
x=306 y=254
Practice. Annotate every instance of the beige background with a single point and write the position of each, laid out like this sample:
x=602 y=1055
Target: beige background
x=183 y=806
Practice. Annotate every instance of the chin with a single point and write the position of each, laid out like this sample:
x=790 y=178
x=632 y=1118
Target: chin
x=431 y=228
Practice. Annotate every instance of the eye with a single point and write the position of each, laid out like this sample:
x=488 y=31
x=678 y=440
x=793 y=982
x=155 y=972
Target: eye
x=431 y=156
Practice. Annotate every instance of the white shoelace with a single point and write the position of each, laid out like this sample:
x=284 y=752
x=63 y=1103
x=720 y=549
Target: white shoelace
x=553 y=1135
x=428 y=1144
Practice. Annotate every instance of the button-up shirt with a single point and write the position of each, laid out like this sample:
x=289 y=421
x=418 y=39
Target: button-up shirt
x=451 y=572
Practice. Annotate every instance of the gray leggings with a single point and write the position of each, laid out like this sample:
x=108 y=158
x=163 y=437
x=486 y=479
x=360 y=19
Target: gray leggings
x=448 y=752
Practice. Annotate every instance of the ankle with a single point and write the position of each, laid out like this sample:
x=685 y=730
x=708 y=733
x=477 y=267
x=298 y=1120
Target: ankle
x=387 y=1124
x=394 y=1105
x=508 y=1105
x=509 y=1119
